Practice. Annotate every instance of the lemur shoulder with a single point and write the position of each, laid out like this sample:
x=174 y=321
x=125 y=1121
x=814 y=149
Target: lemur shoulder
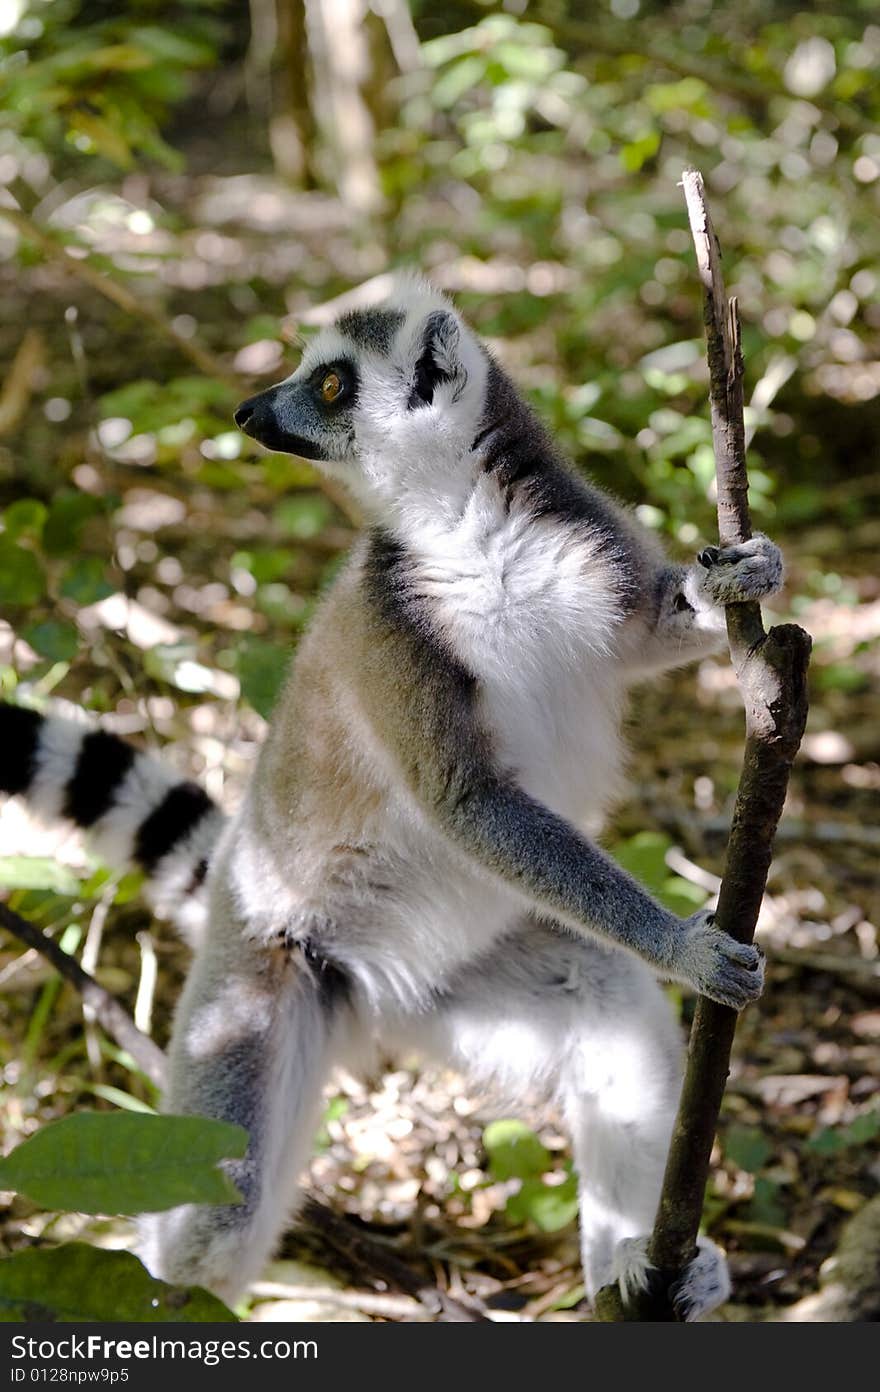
x=412 y=863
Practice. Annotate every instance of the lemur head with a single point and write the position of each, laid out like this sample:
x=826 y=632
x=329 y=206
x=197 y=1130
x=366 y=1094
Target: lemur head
x=383 y=398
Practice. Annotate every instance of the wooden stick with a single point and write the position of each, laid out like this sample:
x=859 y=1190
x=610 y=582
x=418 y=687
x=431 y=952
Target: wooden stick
x=356 y=1246
x=108 y=1012
x=771 y=669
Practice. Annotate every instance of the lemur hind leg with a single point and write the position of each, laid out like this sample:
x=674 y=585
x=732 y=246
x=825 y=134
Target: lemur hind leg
x=588 y=1028
x=255 y=1035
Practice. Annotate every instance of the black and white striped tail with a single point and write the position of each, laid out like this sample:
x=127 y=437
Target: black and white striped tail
x=136 y=811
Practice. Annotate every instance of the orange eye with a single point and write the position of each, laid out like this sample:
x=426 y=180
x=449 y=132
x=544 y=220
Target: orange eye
x=331 y=387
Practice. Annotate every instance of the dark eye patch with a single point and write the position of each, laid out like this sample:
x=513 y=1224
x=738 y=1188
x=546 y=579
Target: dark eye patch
x=347 y=374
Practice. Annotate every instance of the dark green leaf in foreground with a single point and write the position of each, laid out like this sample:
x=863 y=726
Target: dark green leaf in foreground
x=78 y=1282
x=125 y=1162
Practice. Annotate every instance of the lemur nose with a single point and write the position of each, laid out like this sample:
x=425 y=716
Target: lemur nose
x=243 y=413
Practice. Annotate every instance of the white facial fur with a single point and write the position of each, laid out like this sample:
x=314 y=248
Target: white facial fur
x=403 y=455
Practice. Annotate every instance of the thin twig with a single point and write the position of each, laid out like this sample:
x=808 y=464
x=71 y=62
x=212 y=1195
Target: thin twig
x=368 y=1255
x=771 y=670
x=108 y=1012
x=20 y=378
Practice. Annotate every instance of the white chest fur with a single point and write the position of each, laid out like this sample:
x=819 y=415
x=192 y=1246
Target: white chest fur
x=531 y=607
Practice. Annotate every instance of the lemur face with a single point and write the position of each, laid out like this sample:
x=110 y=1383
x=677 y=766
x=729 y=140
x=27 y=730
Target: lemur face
x=377 y=394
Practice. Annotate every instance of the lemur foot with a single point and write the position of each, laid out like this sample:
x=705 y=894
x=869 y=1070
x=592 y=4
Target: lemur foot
x=715 y=964
x=703 y=1286
x=735 y=573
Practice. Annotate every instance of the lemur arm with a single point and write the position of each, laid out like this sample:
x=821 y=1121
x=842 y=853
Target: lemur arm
x=425 y=708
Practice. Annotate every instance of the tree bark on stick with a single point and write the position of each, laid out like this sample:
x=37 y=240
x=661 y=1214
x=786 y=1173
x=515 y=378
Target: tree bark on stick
x=771 y=669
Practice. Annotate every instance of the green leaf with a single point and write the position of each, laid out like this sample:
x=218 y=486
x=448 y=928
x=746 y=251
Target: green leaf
x=842 y=676
x=37 y=872
x=827 y=1141
x=78 y=1282
x=118 y=1098
x=26 y=516
x=84 y=581
x=514 y=1151
x=644 y=856
x=177 y=664
x=118 y=1162
x=21 y=576
x=747 y=1148
x=637 y=152
x=830 y=1140
x=864 y=1128
x=67 y=516
x=54 y=639
x=103 y=137
x=260 y=667
x=549 y=1206
x=765 y=1207
x=265 y=566
x=336 y=1107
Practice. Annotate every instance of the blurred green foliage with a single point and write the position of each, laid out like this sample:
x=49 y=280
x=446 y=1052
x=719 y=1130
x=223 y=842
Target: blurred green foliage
x=99 y=80
x=531 y=163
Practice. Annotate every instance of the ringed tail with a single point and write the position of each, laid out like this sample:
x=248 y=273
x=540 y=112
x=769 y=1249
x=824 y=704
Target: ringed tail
x=135 y=811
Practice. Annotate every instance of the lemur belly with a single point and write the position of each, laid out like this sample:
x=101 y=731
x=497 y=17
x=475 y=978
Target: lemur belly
x=561 y=740
x=394 y=907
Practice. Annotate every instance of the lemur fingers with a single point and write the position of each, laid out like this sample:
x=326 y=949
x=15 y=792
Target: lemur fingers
x=716 y=965
x=749 y=571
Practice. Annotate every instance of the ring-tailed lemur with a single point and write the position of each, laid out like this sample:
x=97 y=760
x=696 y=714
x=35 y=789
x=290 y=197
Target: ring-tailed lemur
x=411 y=865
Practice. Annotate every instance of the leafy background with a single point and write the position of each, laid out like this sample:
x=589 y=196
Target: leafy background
x=186 y=188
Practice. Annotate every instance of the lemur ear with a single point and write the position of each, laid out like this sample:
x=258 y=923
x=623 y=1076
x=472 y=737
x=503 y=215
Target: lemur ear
x=439 y=360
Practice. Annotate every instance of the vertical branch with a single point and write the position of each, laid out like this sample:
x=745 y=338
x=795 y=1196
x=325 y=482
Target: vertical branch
x=772 y=670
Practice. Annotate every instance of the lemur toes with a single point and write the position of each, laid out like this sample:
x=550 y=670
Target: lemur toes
x=705 y=1283
x=702 y=1287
